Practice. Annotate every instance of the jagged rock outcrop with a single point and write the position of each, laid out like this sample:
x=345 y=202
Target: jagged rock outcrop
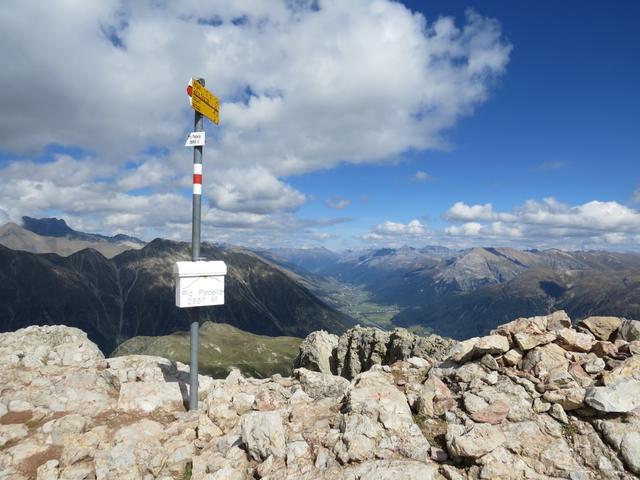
x=525 y=402
x=360 y=348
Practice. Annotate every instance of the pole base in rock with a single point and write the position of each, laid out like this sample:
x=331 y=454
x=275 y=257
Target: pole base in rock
x=193 y=367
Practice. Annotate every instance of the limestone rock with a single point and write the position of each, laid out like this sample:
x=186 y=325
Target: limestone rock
x=11 y=433
x=462 y=351
x=359 y=349
x=603 y=348
x=624 y=438
x=373 y=394
x=574 y=341
x=629 y=330
x=602 y=328
x=569 y=398
x=478 y=346
x=594 y=365
x=558 y=413
x=317 y=352
x=152 y=396
x=474 y=441
x=501 y=413
x=404 y=345
x=513 y=357
x=494 y=344
x=37 y=346
x=526 y=341
x=545 y=358
x=621 y=397
x=494 y=414
x=321 y=385
x=392 y=470
x=263 y=435
x=434 y=398
x=558 y=320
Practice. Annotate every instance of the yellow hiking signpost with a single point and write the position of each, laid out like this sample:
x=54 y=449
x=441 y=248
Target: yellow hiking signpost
x=198 y=283
x=203 y=101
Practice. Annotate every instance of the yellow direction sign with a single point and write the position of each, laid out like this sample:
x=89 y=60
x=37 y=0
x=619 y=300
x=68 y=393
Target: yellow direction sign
x=203 y=101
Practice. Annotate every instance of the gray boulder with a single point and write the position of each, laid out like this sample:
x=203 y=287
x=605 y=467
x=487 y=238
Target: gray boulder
x=629 y=330
x=317 y=352
x=263 y=435
x=321 y=385
x=360 y=348
x=601 y=327
x=620 y=397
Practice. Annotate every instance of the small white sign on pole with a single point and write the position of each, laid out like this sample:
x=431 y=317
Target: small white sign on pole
x=199 y=284
x=195 y=139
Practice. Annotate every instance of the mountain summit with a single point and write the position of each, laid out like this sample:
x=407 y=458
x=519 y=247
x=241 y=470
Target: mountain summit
x=57 y=227
x=536 y=399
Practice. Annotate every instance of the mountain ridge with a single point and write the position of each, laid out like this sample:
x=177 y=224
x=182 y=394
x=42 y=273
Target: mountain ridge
x=132 y=294
x=57 y=227
x=16 y=237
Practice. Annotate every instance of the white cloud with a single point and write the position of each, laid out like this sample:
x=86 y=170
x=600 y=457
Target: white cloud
x=414 y=227
x=548 y=223
x=393 y=233
x=494 y=229
x=635 y=197
x=301 y=90
x=337 y=203
x=594 y=215
x=250 y=190
x=461 y=212
x=421 y=177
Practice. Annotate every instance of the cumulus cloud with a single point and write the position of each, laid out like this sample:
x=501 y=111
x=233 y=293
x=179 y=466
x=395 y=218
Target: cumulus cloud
x=337 y=203
x=421 y=177
x=548 y=222
x=302 y=89
x=461 y=212
x=394 y=233
x=251 y=190
x=493 y=229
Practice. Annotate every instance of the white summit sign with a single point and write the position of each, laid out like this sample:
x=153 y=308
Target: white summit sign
x=199 y=284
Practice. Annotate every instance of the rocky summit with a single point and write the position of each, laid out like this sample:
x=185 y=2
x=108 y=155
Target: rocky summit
x=538 y=398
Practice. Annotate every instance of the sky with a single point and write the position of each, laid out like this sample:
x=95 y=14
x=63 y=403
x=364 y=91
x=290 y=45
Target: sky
x=344 y=124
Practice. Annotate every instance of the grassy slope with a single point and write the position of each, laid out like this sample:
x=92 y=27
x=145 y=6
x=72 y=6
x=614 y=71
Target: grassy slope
x=222 y=346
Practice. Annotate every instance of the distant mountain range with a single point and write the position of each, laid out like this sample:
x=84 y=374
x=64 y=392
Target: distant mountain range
x=52 y=235
x=56 y=227
x=468 y=292
x=133 y=294
x=456 y=293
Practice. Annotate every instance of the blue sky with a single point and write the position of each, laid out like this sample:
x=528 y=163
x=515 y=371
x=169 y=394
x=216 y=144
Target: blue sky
x=352 y=125
x=563 y=122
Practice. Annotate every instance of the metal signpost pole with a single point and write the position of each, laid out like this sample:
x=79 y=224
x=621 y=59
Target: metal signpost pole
x=195 y=254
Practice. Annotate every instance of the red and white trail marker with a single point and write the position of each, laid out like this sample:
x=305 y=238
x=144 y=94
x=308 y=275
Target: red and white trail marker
x=197 y=179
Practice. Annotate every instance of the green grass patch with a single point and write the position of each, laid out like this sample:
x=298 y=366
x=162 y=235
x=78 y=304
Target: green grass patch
x=188 y=469
x=570 y=429
x=433 y=429
x=222 y=346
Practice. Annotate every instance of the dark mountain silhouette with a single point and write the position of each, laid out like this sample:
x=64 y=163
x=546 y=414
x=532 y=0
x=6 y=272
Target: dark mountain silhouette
x=132 y=294
x=56 y=227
